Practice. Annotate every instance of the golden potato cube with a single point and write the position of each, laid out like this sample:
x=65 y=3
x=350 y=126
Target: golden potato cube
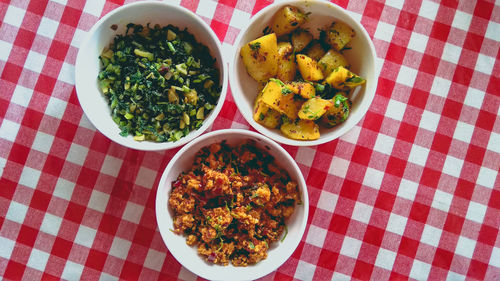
x=316 y=52
x=300 y=39
x=286 y=63
x=309 y=68
x=304 y=89
x=260 y=57
x=301 y=130
x=343 y=79
x=314 y=108
x=338 y=113
x=339 y=34
x=266 y=116
x=279 y=98
x=331 y=60
x=287 y=19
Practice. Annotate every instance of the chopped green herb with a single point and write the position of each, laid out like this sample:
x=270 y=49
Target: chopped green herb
x=255 y=46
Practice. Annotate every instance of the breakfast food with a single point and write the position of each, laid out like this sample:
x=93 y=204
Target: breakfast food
x=306 y=81
x=233 y=203
x=160 y=83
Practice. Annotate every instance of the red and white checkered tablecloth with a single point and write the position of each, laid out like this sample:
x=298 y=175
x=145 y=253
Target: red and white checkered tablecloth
x=412 y=192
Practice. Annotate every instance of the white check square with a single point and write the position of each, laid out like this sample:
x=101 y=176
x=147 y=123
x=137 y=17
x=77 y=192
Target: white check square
x=77 y=154
x=487 y=177
x=72 y=271
x=8 y=130
x=56 y=108
x=494 y=259
x=17 y=212
x=119 y=248
x=38 y=259
x=6 y=47
x=384 y=31
x=338 y=167
x=146 y=177
x=420 y=270
x=14 y=16
x=474 y=98
x=396 y=224
x=327 y=201
x=373 y=178
x=440 y=87
x=407 y=189
x=407 y=76
x=42 y=142
x=429 y=121
x=431 y=235
x=34 y=61
x=111 y=165
x=362 y=212
x=395 y=110
x=98 y=201
x=453 y=276
x=485 y=64
x=106 y=277
x=51 y=224
x=385 y=259
x=463 y=132
x=493 y=31
x=305 y=155
x=451 y=53
x=418 y=155
x=239 y=19
x=21 y=95
x=29 y=177
x=94 y=7
x=465 y=247
x=304 y=271
x=476 y=212
x=453 y=166
x=78 y=37
x=352 y=135
x=398 y=4
x=462 y=20
x=48 y=27
x=316 y=236
x=350 y=247
x=85 y=236
x=384 y=144
x=67 y=73
x=442 y=201
x=428 y=10
x=206 y=8
x=418 y=42
x=64 y=189
x=154 y=260
x=6 y=247
x=494 y=142
x=133 y=212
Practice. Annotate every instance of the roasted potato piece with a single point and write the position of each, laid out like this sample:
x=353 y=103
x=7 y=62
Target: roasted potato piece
x=260 y=57
x=300 y=39
x=304 y=89
x=287 y=19
x=286 y=63
x=331 y=60
x=343 y=79
x=316 y=51
x=309 y=68
x=314 y=108
x=301 y=130
x=266 y=116
x=338 y=35
x=281 y=99
x=338 y=113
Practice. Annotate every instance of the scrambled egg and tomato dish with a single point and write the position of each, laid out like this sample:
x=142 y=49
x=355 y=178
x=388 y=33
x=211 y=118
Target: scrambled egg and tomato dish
x=233 y=203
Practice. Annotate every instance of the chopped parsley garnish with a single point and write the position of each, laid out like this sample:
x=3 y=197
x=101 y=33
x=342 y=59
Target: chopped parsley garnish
x=254 y=46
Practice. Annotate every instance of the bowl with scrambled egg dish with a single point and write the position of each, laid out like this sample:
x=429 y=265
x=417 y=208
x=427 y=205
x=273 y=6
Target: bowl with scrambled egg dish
x=232 y=205
x=303 y=72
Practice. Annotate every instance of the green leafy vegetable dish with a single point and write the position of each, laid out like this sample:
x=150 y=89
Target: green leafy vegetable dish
x=160 y=83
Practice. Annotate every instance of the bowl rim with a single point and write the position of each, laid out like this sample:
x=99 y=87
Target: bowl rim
x=149 y=145
x=277 y=136
x=161 y=208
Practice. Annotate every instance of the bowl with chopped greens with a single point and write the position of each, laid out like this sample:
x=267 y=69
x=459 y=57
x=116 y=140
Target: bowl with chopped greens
x=151 y=75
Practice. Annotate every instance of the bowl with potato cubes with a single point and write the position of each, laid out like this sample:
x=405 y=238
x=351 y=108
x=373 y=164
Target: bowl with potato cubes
x=303 y=72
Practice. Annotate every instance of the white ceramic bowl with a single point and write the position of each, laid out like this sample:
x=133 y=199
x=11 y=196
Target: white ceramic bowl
x=187 y=255
x=101 y=35
x=362 y=58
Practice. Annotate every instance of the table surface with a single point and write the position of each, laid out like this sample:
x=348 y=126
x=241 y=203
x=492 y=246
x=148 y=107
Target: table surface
x=412 y=192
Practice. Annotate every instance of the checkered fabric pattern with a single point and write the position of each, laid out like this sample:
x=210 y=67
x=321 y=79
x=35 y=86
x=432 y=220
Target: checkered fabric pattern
x=411 y=192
